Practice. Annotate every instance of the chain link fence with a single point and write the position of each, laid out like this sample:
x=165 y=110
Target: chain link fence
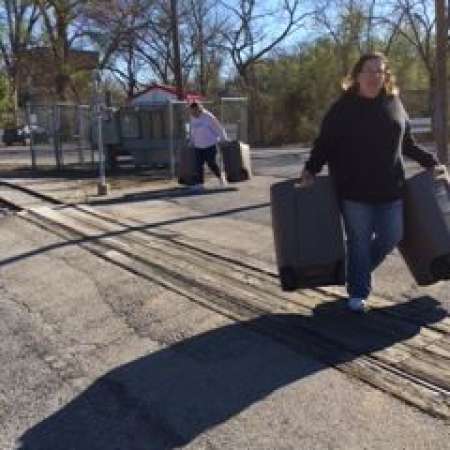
x=153 y=135
x=65 y=137
x=61 y=136
x=234 y=117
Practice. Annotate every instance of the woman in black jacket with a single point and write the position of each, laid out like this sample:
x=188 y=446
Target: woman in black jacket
x=363 y=139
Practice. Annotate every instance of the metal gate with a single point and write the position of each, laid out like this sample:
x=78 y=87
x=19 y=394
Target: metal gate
x=61 y=137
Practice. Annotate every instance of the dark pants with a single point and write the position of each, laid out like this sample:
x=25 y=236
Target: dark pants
x=207 y=155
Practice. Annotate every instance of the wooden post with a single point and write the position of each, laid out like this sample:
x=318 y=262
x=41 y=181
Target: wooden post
x=441 y=121
x=176 y=48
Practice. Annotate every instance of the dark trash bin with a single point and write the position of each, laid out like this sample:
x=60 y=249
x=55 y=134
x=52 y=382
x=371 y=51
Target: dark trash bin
x=308 y=234
x=426 y=243
x=187 y=170
x=236 y=161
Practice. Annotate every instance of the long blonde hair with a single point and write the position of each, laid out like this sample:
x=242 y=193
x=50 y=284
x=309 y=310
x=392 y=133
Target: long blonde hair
x=350 y=82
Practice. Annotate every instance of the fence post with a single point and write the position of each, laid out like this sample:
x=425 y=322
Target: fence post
x=79 y=133
x=56 y=136
x=29 y=124
x=102 y=186
x=441 y=126
x=171 y=146
x=91 y=124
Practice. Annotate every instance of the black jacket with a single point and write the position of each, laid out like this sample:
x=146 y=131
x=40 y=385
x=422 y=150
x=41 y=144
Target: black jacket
x=363 y=141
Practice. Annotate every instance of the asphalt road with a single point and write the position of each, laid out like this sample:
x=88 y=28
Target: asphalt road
x=250 y=203
x=94 y=357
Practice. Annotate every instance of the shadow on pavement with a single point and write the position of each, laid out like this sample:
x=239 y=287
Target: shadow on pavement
x=144 y=228
x=76 y=172
x=177 y=192
x=166 y=399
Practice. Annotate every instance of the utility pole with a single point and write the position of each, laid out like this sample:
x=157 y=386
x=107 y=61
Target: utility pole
x=176 y=48
x=102 y=185
x=441 y=102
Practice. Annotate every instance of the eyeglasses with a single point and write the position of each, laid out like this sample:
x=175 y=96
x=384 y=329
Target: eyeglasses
x=374 y=72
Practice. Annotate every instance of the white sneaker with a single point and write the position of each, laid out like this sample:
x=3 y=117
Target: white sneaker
x=223 y=180
x=356 y=304
x=197 y=188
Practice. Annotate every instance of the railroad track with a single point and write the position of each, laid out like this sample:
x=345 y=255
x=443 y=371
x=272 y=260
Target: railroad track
x=402 y=349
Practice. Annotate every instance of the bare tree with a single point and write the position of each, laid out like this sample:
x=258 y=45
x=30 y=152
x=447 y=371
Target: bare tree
x=112 y=24
x=115 y=29
x=155 y=49
x=376 y=31
x=356 y=27
x=346 y=28
x=248 y=36
x=125 y=64
x=58 y=17
x=415 y=21
x=207 y=32
x=155 y=44
x=107 y=25
x=174 y=31
x=371 y=24
x=141 y=49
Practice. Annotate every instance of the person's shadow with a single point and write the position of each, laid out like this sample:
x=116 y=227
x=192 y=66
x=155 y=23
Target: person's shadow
x=166 y=399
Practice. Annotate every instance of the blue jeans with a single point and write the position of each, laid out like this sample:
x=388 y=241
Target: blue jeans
x=373 y=231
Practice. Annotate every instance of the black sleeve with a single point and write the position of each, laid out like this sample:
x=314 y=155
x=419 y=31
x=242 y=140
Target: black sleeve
x=325 y=141
x=416 y=152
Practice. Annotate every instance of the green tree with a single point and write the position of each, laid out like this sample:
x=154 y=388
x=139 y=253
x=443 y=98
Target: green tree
x=18 y=20
x=295 y=90
x=6 y=103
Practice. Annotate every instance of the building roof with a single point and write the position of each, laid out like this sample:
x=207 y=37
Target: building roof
x=188 y=96
x=80 y=59
x=38 y=74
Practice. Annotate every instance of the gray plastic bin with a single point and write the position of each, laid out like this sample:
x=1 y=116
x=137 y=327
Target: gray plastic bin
x=236 y=161
x=187 y=170
x=426 y=242
x=308 y=234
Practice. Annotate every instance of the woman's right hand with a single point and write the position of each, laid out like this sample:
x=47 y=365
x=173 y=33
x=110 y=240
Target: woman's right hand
x=440 y=173
x=307 y=179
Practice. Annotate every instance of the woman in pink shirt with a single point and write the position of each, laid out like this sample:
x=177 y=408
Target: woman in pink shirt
x=205 y=132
